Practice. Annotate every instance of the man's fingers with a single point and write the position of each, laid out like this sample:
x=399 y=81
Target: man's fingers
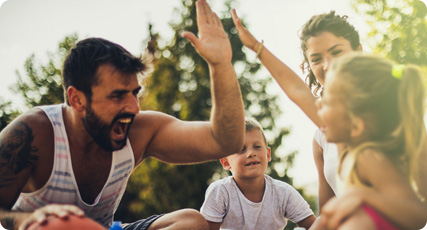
x=204 y=14
x=217 y=20
x=39 y=216
x=74 y=210
x=191 y=37
x=208 y=11
x=79 y=212
x=61 y=211
x=200 y=13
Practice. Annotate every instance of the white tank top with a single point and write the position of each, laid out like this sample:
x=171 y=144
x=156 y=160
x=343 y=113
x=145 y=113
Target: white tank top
x=61 y=187
x=330 y=159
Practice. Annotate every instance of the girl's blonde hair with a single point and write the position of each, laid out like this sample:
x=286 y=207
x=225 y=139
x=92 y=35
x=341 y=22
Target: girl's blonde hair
x=391 y=102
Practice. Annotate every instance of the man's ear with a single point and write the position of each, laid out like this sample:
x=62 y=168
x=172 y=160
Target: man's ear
x=357 y=127
x=360 y=48
x=77 y=99
x=225 y=164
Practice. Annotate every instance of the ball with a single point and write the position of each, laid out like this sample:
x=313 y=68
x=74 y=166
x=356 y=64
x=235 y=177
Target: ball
x=72 y=222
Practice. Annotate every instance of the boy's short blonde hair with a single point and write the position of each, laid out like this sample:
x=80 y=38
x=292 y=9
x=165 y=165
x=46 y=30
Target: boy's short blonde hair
x=251 y=124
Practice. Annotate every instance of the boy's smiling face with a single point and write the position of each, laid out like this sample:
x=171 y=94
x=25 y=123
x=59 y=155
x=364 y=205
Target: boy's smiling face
x=253 y=160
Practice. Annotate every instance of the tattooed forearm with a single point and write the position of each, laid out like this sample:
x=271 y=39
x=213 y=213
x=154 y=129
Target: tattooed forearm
x=8 y=222
x=7 y=219
x=16 y=151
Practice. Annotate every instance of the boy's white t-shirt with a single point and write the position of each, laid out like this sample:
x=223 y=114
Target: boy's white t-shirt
x=224 y=202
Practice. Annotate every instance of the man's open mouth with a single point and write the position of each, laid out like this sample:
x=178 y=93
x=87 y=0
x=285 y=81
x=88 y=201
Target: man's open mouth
x=120 y=128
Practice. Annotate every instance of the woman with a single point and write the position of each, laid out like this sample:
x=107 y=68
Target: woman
x=323 y=38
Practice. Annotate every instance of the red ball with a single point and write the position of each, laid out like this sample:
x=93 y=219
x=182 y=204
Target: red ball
x=72 y=222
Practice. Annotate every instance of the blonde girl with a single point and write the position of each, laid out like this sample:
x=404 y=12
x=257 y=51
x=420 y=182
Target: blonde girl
x=376 y=109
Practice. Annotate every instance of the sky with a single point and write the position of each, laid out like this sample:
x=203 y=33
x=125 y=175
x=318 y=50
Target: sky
x=37 y=26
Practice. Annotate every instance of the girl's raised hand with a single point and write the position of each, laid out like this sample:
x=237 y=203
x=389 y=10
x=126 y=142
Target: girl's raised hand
x=245 y=36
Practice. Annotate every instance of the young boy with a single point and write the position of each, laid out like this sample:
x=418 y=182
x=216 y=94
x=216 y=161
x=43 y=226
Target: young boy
x=250 y=199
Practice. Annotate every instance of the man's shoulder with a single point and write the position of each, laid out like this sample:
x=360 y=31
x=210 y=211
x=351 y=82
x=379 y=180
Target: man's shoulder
x=35 y=118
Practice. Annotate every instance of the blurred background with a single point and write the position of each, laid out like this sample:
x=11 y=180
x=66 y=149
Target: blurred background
x=35 y=35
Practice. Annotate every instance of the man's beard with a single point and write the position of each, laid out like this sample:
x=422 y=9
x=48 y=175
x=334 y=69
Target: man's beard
x=101 y=131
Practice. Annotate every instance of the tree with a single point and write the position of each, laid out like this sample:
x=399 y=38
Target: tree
x=42 y=84
x=398 y=28
x=179 y=85
x=7 y=113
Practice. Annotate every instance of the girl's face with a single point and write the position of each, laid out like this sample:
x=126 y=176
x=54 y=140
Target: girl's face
x=336 y=122
x=322 y=49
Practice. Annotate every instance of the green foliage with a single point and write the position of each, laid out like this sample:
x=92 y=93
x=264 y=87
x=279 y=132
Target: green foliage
x=7 y=114
x=398 y=28
x=42 y=84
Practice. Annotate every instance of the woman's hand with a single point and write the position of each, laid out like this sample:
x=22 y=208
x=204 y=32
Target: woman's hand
x=245 y=36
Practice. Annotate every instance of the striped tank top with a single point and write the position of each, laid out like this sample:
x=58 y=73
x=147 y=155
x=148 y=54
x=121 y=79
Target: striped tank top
x=61 y=187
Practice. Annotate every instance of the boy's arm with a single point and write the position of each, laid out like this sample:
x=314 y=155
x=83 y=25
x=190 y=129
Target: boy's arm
x=391 y=195
x=307 y=222
x=318 y=224
x=291 y=83
x=296 y=208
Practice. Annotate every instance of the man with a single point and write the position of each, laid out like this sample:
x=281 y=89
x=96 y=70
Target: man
x=76 y=158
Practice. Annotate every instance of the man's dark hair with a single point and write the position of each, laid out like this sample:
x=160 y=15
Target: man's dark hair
x=81 y=65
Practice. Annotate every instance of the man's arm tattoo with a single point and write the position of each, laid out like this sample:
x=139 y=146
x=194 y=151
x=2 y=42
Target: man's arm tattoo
x=16 y=152
x=8 y=223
